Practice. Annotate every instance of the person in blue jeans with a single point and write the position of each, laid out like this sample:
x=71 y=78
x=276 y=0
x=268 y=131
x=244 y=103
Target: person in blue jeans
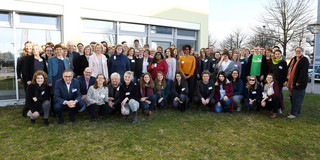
x=160 y=90
x=148 y=99
x=223 y=93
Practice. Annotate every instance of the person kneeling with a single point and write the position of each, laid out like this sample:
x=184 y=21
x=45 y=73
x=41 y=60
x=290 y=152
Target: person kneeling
x=180 y=92
x=161 y=90
x=67 y=96
x=97 y=97
x=223 y=93
x=271 y=96
x=129 y=96
x=205 y=92
x=37 y=97
x=148 y=99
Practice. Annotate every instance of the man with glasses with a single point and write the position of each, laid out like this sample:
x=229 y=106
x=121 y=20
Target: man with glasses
x=297 y=81
x=67 y=96
x=85 y=81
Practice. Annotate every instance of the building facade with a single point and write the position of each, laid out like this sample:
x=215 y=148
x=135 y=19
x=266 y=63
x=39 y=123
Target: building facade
x=157 y=23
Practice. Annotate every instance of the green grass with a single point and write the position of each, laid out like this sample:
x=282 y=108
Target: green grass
x=168 y=135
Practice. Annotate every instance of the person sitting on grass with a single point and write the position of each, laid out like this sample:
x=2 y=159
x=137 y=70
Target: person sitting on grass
x=205 y=92
x=252 y=93
x=180 y=92
x=97 y=97
x=38 y=97
x=148 y=99
x=161 y=91
x=129 y=96
x=223 y=93
x=67 y=96
x=271 y=97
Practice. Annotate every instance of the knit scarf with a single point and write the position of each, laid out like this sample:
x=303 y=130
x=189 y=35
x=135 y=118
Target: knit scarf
x=291 y=71
x=276 y=61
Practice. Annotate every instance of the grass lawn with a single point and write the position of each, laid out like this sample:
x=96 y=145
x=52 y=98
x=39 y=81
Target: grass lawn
x=169 y=134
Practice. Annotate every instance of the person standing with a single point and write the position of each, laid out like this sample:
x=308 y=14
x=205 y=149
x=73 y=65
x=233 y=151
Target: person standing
x=257 y=64
x=297 y=81
x=119 y=62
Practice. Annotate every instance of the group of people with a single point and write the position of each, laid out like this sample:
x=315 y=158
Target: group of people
x=106 y=79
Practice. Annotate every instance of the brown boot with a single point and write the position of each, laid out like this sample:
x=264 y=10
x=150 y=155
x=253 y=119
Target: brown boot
x=273 y=115
x=150 y=114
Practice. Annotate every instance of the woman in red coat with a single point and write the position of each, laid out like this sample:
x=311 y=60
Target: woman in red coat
x=158 y=64
x=223 y=93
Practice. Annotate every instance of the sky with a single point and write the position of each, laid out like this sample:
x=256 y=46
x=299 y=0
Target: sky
x=227 y=15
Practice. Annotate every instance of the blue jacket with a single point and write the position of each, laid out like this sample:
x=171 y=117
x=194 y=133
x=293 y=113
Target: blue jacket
x=237 y=89
x=62 y=94
x=83 y=85
x=53 y=67
x=118 y=63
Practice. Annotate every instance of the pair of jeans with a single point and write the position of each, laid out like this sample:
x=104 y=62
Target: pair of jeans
x=190 y=81
x=184 y=98
x=162 y=103
x=102 y=109
x=170 y=92
x=250 y=106
x=296 y=99
x=145 y=105
x=198 y=102
x=59 y=108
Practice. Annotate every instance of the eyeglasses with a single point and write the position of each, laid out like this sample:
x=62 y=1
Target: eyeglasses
x=252 y=80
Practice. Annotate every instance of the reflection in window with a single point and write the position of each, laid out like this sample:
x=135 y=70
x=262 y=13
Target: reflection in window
x=181 y=42
x=184 y=32
x=87 y=23
x=130 y=40
x=89 y=37
x=7 y=81
x=26 y=18
x=163 y=44
x=161 y=30
x=132 y=27
x=4 y=16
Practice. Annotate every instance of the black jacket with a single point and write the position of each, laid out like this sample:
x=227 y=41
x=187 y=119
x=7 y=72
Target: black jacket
x=81 y=65
x=42 y=93
x=28 y=68
x=279 y=71
x=301 y=74
x=20 y=66
x=205 y=90
x=182 y=89
x=255 y=94
x=203 y=65
x=74 y=56
x=115 y=93
x=130 y=91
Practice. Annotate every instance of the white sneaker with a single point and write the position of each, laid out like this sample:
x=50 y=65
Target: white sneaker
x=238 y=109
x=29 y=114
x=291 y=116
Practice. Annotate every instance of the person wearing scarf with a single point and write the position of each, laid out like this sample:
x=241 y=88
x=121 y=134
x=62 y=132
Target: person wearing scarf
x=297 y=81
x=279 y=69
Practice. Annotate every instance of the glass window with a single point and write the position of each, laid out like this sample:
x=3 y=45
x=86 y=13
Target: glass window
x=87 y=38
x=7 y=75
x=163 y=44
x=130 y=40
x=132 y=27
x=181 y=42
x=184 y=32
x=161 y=30
x=4 y=16
x=27 y=18
x=87 y=23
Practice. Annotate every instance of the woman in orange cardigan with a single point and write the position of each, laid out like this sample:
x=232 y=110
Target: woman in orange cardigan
x=187 y=65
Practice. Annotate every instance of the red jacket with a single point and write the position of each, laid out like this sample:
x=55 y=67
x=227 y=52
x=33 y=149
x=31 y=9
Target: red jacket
x=229 y=93
x=161 y=66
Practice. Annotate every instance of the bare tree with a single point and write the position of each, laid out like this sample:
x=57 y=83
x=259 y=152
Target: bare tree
x=212 y=40
x=234 y=40
x=261 y=37
x=286 y=18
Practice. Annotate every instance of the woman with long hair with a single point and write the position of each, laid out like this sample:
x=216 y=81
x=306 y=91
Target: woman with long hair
x=203 y=63
x=180 y=92
x=27 y=51
x=171 y=61
x=160 y=89
x=97 y=98
x=98 y=62
x=38 y=97
x=148 y=99
x=243 y=62
x=237 y=86
x=133 y=62
x=271 y=98
x=252 y=93
x=158 y=64
x=214 y=70
x=176 y=56
x=236 y=61
x=223 y=93
x=225 y=64
x=83 y=60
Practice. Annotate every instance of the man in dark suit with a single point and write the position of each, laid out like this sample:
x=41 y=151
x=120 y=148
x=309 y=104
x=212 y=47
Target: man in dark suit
x=85 y=82
x=74 y=57
x=67 y=96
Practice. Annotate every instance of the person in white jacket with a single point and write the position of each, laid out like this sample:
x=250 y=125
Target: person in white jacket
x=98 y=62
